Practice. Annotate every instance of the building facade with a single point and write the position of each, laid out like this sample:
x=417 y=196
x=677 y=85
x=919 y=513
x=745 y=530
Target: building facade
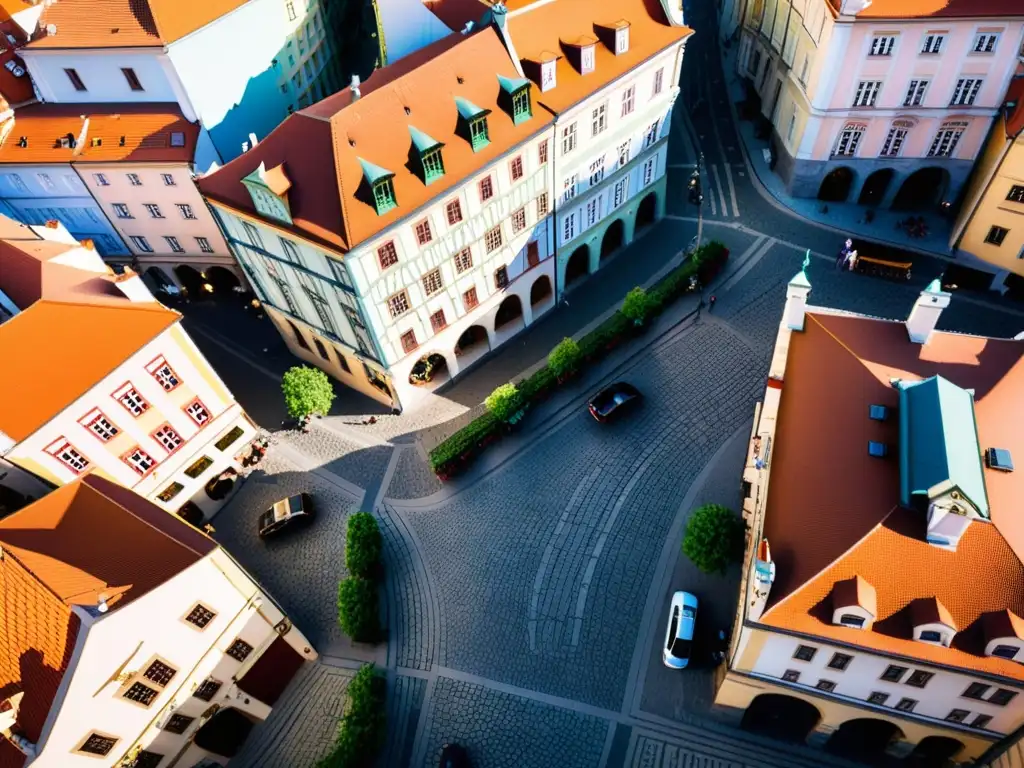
x=442 y=244
x=165 y=654
x=870 y=105
x=136 y=402
x=880 y=466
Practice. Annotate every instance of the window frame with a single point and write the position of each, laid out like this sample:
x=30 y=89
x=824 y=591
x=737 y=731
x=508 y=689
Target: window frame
x=887 y=676
x=518 y=219
x=238 y=643
x=211 y=682
x=194 y=402
x=882 y=697
x=155 y=367
x=408 y=341
x=138 y=466
x=501 y=279
x=186 y=211
x=76 y=80
x=905 y=704
x=515 y=168
x=404 y=295
x=438 y=322
x=205 y=246
x=467 y=253
x=802 y=650
x=996 y=235
x=436 y=282
x=492 y=244
x=470 y=299
x=133 y=79
x=167 y=426
x=840 y=661
x=80 y=749
x=485 y=187
x=123 y=392
x=453 y=207
x=92 y=418
x=174 y=719
x=391 y=250
x=61 y=444
x=915 y=674
x=422 y=231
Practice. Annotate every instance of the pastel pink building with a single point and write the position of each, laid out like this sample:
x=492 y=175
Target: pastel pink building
x=880 y=102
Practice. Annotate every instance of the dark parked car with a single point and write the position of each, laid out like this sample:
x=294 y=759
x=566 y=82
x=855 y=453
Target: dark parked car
x=453 y=756
x=611 y=402
x=294 y=512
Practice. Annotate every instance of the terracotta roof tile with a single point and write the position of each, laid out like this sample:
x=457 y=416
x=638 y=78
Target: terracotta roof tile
x=930 y=610
x=855 y=591
x=124 y=132
x=915 y=9
x=1000 y=624
x=455 y=14
x=841 y=519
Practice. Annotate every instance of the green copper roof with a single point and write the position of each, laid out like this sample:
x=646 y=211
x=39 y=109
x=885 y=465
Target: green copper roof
x=512 y=84
x=939 y=449
x=934 y=287
x=800 y=279
x=468 y=109
x=421 y=141
x=374 y=173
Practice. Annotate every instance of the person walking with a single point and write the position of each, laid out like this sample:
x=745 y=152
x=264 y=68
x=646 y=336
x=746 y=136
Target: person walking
x=852 y=260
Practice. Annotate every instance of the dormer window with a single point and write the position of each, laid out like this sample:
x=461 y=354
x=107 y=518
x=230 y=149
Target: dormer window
x=515 y=95
x=621 y=40
x=932 y=622
x=547 y=76
x=587 y=59
x=615 y=36
x=854 y=603
x=580 y=52
x=381 y=184
x=268 y=189
x=1004 y=635
x=474 y=120
x=428 y=155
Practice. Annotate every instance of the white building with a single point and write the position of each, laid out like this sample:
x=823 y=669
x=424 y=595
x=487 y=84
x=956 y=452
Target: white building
x=136 y=639
x=429 y=241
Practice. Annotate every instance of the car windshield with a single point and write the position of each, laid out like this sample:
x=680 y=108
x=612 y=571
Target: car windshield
x=681 y=648
x=295 y=504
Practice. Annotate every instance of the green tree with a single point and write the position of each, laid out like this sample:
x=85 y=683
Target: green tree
x=565 y=358
x=358 y=613
x=637 y=305
x=307 y=391
x=362 y=545
x=714 y=538
x=363 y=727
x=504 y=402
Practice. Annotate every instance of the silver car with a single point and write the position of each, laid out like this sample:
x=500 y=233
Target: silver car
x=682 y=616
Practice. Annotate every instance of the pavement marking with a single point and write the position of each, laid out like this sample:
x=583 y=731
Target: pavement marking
x=711 y=200
x=740 y=260
x=732 y=190
x=742 y=270
x=721 y=189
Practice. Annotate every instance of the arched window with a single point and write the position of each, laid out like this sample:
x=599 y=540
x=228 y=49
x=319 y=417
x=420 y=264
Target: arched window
x=849 y=139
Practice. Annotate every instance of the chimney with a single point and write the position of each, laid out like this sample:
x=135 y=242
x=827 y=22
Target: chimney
x=796 y=301
x=132 y=287
x=926 y=312
x=354 y=87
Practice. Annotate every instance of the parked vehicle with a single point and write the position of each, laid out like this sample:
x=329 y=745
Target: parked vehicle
x=613 y=401
x=453 y=756
x=682 y=617
x=294 y=512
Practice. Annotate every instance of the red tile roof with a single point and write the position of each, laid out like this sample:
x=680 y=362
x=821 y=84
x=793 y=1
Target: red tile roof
x=916 y=9
x=832 y=509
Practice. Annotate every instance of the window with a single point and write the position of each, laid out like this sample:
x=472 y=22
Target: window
x=178 y=724
x=96 y=744
x=207 y=689
x=587 y=60
x=1006 y=651
x=239 y=650
x=906 y=705
x=163 y=373
x=409 y=342
x=76 y=81
x=547 y=75
x=976 y=691
x=173 y=244
x=894 y=142
x=154 y=210
x=159 y=673
x=985 y=42
x=197 y=412
x=532 y=254
x=915 y=93
x=515 y=169
x=186 y=211
x=628 y=100
x=229 y=437
x=805 y=652
x=63 y=451
x=168 y=438
x=542 y=205
x=569 y=187
x=100 y=425
x=849 y=620
x=478 y=136
x=521 y=109
x=170 y=492
x=141 y=243
x=454 y=212
x=867 y=93
x=893 y=674
x=1002 y=697
x=624 y=153
x=492 y=239
x=486 y=189
x=966 y=91
x=1016 y=194
x=946 y=140
x=568 y=139
x=134 y=180
x=132 y=78
x=931 y=636
x=882 y=45
x=877 y=697
x=957 y=715
x=177 y=140
x=146 y=759
x=569 y=227
x=168 y=179
x=919 y=679
x=849 y=139
x=16 y=182
x=542 y=152
x=133 y=402
x=101 y=180
x=825 y=685
x=387 y=254
x=200 y=616
x=651 y=136
x=204 y=245
x=46 y=181
x=840 y=661
x=139 y=460
x=659 y=82
x=121 y=211
x=995 y=236
x=433 y=165
x=140 y=693
x=501 y=278
x=791 y=676
x=649 y=171
x=432 y=282
x=619 y=192
x=463 y=260
x=469 y=299
x=519 y=220
x=384 y=196
x=932 y=43
x=398 y=304
x=423 y=233
x=592 y=211
x=981 y=721
x=596 y=171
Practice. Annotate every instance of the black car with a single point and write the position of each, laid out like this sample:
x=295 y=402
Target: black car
x=294 y=512
x=612 y=401
x=453 y=756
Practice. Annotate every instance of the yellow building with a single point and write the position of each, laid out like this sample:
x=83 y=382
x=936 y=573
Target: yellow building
x=883 y=589
x=97 y=376
x=990 y=226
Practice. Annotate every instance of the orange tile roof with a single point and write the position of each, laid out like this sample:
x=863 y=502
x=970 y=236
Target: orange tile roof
x=832 y=509
x=916 y=9
x=455 y=14
x=326 y=198
x=126 y=23
x=126 y=132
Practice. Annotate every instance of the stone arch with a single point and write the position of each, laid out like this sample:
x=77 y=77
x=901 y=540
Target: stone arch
x=473 y=343
x=836 y=185
x=922 y=190
x=613 y=238
x=189 y=278
x=647 y=211
x=222 y=279
x=875 y=187
x=578 y=265
x=158 y=278
x=934 y=752
x=781 y=717
x=430 y=370
x=540 y=291
x=863 y=738
x=510 y=311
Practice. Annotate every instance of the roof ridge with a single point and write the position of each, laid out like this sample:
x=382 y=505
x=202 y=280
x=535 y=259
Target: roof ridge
x=127 y=305
x=835 y=338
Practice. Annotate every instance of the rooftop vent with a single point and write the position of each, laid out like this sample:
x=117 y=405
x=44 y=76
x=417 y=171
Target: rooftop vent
x=878 y=413
x=97 y=141
x=23 y=142
x=878 y=450
x=121 y=141
x=67 y=142
x=999 y=458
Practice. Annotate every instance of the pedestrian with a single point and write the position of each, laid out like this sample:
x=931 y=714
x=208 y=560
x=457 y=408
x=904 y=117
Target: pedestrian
x=711 y=302
x=852 y=260
x=841 y=258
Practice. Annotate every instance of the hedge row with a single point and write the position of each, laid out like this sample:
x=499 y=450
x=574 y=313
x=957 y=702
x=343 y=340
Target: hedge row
x=363 y=726
x=454 y=454
x=358 y=609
